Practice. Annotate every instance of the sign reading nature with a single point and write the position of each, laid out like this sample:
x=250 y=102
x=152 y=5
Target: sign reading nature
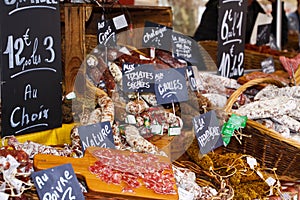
x=231 y=37
x=30 y=63
x=96 y=135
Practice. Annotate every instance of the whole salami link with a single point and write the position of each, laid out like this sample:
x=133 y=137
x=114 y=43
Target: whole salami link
x=140 y=144
x=288 y=121
x=269 y=108
x=95 y=116
x=107 y=109
x=272 y=91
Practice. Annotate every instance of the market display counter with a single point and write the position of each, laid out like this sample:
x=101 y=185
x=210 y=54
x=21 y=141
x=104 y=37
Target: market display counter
x=222 y=173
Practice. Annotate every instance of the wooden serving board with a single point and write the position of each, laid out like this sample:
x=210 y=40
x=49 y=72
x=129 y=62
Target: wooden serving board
x=95 y=184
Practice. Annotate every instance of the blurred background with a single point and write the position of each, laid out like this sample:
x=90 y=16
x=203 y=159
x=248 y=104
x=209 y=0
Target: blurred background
x=187 y=13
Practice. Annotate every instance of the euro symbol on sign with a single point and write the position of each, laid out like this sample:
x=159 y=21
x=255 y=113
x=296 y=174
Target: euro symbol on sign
x=231 y=50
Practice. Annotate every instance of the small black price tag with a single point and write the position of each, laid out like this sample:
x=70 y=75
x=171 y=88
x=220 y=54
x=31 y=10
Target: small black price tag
x=185 y=48
x=191 y=77
x=58 y=183
x=170 y=86
x=106 y=33
x=157 y=35
x=97 y=135
x=268 y=65
x=263 y=34
x=138 y=78
x=207 y=131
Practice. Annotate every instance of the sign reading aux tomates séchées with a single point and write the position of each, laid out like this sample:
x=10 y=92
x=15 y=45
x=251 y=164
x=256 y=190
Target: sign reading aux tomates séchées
x=231 y=37
x=30 y=66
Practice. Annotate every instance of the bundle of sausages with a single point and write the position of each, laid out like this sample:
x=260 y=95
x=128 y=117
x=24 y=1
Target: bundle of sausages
x=277 y=108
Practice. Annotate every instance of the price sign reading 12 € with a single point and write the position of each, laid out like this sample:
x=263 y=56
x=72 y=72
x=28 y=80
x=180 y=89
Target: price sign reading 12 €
x=231 y=37
x=30 y=60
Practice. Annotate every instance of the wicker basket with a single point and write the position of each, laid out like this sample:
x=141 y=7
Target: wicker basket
x=297 y=76
x=252 y=59
x=266 y=145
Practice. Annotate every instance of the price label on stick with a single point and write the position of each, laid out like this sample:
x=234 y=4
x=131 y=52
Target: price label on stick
x=268 y=65
x=57 y=183
x=157 y=36
x=170 y=86
x=263 y=34
x=191 y=77
x=185 y=48
x=107 y=30
x=207 y=131
x=231 y=37
x=138 y=78
x=106 y=33
x=97 y=135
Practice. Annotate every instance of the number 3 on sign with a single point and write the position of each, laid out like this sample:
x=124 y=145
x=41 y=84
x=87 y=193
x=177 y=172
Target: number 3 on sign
x=19 y=45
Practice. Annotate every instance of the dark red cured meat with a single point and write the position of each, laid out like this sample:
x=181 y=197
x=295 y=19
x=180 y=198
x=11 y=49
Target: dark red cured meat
x=290 y=64
x=134 y=170
x=167 y=58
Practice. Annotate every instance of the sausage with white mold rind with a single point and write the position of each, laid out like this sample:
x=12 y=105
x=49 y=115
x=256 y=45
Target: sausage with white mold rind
x=116 y=73
x=269 y=108
x=271 y=91
x=136 y=107
x=289 y=122
x=140 y=144
x=107 y=109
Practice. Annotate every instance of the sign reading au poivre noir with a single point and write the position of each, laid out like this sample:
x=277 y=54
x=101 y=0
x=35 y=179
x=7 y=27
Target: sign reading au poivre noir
x=30 y=64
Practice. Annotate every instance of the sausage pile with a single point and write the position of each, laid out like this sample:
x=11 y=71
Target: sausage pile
x=276 y=108
x=16 y=164
x=15 y=170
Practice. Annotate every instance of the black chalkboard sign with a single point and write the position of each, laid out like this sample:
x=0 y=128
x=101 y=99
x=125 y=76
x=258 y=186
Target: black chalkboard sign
x=231 y=37
x=191 y=77
x=263 y=34
x=170 y=86
x=107 y=30
x=186 y=48
x=208 y=132
x=96 y=135
x=31 y=66
x=138 y=78
x=157 y=35
x=268 y=65
x=106 y=33
x=58 y=183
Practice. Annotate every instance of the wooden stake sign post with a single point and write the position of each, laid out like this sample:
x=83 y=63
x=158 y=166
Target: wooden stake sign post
x=30 y=63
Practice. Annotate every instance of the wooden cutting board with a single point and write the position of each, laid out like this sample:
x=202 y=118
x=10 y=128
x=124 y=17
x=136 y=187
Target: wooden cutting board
x=94 y=184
